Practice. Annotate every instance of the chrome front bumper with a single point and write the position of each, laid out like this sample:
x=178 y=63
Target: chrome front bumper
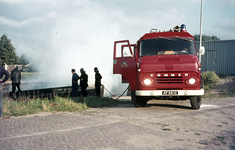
x=160 y=92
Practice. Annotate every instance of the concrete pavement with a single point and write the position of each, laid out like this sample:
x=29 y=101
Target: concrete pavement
x=125 y=127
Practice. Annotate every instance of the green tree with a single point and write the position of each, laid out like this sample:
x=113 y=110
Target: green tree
x=23 y=60
x=7 y=51
x=206 y=38
x=17 y=60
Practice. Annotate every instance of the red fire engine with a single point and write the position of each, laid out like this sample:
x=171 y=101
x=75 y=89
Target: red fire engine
x=161 y=65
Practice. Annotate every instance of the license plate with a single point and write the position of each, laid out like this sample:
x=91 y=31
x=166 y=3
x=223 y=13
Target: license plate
x=169 y=92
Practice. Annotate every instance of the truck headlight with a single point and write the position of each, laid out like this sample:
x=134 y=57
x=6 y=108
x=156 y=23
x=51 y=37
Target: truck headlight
x=147 y=81
x=191 y=81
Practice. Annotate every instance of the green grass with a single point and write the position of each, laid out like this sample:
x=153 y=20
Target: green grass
x=32 y=106
x=220 y=95
x=226 y=94
x=226 y=77
x=198 y=133
x=167 y=129
x=219 y=138
x=210 y=79
x=27 y=106
x=209 y=95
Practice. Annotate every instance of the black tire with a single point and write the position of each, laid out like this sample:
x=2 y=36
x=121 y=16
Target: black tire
x=195 y=102
x=138 y=101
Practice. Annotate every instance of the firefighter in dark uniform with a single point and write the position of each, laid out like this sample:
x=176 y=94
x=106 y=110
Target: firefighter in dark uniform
x=83 y=82
x=75 y=78
x=15 y=78
x=98 y=78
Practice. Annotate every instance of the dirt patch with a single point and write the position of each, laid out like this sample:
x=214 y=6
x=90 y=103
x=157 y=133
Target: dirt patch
x=226 y=85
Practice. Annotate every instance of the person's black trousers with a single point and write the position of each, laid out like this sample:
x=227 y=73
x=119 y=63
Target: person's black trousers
x=84 y=92
x=74 y=91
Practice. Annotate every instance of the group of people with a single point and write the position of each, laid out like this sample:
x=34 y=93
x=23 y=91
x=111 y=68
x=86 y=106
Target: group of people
x=83 y=82
x=15 y=78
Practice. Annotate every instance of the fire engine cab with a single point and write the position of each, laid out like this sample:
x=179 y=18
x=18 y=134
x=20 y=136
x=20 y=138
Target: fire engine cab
x=161 y=65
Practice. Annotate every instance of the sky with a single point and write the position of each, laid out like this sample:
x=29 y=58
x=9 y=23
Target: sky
x=59 y=35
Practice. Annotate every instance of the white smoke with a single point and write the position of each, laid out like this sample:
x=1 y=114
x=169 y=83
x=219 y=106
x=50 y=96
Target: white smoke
x=82 y=37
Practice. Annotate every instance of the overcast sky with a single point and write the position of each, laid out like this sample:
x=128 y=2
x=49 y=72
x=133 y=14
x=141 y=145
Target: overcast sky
x=65 y=34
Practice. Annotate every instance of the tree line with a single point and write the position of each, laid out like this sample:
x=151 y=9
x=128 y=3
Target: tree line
x=206 y=38
x=8 y=53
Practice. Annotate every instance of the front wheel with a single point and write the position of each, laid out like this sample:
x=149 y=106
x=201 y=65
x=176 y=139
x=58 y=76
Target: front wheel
x=195 y=102
x=137 y=100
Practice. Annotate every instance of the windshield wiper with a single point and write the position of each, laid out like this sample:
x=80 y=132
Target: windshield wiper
x=170 y=39
x=186 y=39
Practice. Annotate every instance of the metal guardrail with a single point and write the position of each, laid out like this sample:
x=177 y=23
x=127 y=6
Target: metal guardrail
x=51 y=92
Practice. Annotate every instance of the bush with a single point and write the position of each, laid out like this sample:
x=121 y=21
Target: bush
x=209 y=78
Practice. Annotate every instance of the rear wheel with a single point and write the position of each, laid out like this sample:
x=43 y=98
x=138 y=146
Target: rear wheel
x=137 y=100
x=195 y=102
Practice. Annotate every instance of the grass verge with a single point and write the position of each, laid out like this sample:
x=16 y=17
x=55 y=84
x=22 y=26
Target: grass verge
x=209 y=78
x=32 y=106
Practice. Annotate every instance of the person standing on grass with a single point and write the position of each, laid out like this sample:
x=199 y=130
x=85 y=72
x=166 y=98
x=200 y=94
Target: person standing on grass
x=6 y=73
x=75 y=78
x=98 y=78
x=83 y=82
x=15 y=78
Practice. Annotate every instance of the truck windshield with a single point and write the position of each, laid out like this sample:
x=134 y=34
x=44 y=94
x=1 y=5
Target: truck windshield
x=167 y=46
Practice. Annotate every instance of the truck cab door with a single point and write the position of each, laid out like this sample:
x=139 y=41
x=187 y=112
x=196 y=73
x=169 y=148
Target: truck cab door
x=124 y=62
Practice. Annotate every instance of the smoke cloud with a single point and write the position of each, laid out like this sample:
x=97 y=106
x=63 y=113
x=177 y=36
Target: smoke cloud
x=78 y=35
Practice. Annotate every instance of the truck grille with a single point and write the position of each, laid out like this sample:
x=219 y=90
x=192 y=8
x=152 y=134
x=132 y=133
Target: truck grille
x=169 y=80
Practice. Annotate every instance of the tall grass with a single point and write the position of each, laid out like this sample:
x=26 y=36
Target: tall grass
x=31 y=106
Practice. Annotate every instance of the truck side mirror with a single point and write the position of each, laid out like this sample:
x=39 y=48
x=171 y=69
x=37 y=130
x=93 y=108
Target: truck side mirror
x=202 y=50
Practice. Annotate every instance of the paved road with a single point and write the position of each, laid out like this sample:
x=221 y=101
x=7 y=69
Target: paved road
x=160 y=125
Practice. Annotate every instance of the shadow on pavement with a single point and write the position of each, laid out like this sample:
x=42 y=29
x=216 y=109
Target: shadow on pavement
x=168 y=106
